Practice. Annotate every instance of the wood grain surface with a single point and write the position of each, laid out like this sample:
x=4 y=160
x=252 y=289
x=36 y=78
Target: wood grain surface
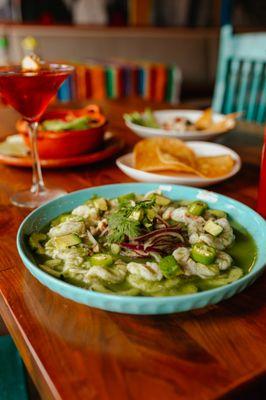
x=75 y=352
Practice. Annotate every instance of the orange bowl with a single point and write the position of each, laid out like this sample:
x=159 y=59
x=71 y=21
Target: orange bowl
x=62 y=144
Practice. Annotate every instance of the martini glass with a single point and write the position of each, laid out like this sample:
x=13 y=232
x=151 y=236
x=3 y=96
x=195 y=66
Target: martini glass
x=29 y=93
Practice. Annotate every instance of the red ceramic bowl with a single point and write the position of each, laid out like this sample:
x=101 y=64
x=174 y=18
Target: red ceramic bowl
x=62 y=144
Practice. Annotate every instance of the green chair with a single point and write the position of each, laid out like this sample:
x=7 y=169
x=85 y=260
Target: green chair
x=241 y=75
x=12 y=376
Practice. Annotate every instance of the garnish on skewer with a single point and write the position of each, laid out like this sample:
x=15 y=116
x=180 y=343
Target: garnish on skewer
x=31 y=62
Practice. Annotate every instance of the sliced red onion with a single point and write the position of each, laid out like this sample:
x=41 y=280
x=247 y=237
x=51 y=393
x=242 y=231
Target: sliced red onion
x=159 y=218
x=175 y=229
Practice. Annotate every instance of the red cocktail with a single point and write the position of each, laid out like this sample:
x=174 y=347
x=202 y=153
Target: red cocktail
x=29 y=92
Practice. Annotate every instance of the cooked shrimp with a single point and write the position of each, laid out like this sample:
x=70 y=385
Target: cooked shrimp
x=114 y=275
x=190 y=267
x=194 y=224
x=202 y=237
x=226 y=237
x=86 y=211
x=223 y=260
x=68 y=227
x=149 y=271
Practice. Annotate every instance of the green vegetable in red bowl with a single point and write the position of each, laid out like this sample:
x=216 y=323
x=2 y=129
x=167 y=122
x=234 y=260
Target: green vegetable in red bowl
x=66 y=133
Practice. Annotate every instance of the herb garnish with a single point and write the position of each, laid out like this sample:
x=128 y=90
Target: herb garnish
x=123 y=225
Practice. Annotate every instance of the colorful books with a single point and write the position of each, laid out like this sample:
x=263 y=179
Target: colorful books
x=118 y=78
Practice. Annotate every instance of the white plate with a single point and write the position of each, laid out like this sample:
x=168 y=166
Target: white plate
x=125 y=163
x=164 y=115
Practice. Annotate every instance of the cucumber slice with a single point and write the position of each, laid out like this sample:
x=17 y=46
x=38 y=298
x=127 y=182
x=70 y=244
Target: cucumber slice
x=169 y=267
x=56 y=125
x=100 y=203
x=218 y=213
x=50 y=270
x=62 y=242
x=59 y=219
x=56 y=264
x=137 y=215
x=197 y=208
x=76 y=281
x=151 y=214
x=115 y=248
x=161 y=200
x=213 y=228
x=35 y=240
x=126 y=197
x=101 y=260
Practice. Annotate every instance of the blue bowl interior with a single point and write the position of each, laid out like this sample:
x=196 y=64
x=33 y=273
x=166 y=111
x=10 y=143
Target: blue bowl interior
x=43 y=215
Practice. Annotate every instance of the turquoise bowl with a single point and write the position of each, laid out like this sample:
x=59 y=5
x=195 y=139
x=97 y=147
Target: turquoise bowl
x=143 y=305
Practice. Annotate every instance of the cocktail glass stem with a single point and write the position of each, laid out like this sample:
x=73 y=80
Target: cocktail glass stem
x=38 y=194
x=37 y=179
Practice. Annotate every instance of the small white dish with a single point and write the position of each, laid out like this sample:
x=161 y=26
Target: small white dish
x=166 y=115
x=125 y=163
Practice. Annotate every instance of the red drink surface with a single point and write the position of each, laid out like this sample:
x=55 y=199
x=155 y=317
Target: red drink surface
x=30 y=92
x=262 y=186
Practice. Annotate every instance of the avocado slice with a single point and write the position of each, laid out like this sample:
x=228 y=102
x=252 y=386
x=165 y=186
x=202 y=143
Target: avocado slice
x=62 y=242
x=100 y=204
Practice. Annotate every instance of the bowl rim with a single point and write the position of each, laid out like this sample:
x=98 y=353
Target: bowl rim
x=256 y=270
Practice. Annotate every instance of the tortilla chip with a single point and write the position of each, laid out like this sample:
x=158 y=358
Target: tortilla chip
x=170 y=154
x=171 y=150
x=214 y=167
x=205 y=120
x=149 y=155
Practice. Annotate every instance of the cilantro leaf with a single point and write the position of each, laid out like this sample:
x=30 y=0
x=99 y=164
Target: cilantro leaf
x=121 y=225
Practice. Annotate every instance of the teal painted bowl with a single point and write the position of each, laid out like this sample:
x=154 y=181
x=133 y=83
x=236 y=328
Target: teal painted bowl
x=143 y=305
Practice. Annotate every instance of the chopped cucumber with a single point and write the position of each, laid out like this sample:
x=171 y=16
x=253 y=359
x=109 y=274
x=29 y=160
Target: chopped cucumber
x=100 y=203
x=217 y=213
x=53 y=263
x=56 y=125
x=76 y=280
x=35 y=240
x=62 y=242
x=151 y=214
x=169 y=267
x=213 y=228
x=126 y=197
x=137 y=215
x=197 y=208
x=56 y=264
x=50 y=270
x=115 y=248
x=161 y=200
x=202 y=253
x=101 y=260
x=58 y=220
x=150 y=119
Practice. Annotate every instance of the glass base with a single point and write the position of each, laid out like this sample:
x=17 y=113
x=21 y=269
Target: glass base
x=29 y=199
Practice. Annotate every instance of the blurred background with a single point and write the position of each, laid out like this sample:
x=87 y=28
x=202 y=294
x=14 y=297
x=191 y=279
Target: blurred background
x=112 y=38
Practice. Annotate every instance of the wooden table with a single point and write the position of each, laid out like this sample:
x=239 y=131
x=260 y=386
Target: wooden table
x=76 y=352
